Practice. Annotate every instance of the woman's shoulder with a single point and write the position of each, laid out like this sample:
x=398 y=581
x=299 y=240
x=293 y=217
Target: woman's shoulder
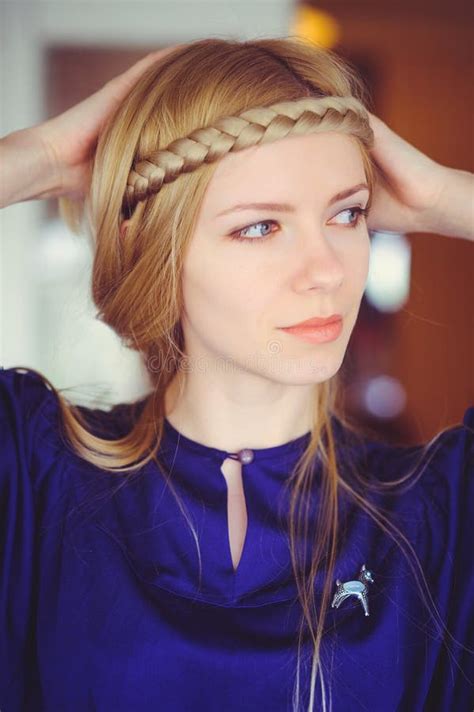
x=29 y=417
x=32 y=433
x=22 y=389
x=448 y=456
x=428 y=491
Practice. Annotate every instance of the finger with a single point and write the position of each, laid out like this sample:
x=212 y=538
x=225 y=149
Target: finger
x=382 y=132
x=132 y=73
x=118 y=87
x=391 y=152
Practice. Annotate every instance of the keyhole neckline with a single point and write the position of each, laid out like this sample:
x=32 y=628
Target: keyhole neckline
x=259 y=454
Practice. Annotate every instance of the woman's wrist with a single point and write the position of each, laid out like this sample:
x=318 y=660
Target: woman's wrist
x=28 y=169
x=453 y=213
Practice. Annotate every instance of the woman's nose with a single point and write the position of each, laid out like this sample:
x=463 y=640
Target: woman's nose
x=321 y=266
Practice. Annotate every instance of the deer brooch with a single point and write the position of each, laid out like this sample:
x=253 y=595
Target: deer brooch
x=359 y=589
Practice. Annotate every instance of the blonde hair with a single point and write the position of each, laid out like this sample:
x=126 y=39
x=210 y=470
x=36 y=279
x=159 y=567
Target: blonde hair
x=252 y=127
x=152 y=165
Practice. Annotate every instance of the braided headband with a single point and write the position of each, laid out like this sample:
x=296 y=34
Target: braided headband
x=233 y=133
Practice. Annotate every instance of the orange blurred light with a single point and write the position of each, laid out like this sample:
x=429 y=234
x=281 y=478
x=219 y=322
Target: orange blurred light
x=315 y=26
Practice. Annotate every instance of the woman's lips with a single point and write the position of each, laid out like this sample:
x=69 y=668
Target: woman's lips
x=316 y=334
x=316 y=321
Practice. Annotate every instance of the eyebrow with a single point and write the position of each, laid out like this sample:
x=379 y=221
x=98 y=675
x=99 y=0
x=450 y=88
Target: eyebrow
x=287 y=207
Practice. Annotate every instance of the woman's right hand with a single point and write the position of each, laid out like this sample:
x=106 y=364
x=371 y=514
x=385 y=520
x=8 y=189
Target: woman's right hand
x=54 y=158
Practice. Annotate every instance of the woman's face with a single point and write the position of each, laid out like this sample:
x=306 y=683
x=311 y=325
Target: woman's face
x=306 y=257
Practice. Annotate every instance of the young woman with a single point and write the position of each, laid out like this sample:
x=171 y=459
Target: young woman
x=231 y=542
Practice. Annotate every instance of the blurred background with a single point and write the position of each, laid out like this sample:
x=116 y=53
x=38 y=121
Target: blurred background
x=409 y=369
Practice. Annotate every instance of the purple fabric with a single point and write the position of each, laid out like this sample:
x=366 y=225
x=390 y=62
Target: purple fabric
x=101 y=607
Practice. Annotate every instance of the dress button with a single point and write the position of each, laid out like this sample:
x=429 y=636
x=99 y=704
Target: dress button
x=245 y=456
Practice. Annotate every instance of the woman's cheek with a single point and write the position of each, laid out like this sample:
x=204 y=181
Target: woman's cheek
x=357 y=257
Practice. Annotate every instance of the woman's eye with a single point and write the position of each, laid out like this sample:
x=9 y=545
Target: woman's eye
x=359 y=213
x=245 y=233
x=258 y=236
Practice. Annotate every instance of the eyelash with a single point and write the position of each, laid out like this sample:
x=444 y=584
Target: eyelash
x=361 y=212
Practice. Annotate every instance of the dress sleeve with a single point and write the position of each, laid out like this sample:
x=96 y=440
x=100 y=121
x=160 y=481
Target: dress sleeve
x=445 y=538
x=29 y=450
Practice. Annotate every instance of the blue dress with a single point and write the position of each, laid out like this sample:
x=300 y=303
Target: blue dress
x=102 y=606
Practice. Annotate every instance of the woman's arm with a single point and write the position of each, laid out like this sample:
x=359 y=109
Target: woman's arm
x=27 y=168
x=453 y=214
x=54 y=158
x=414 y=193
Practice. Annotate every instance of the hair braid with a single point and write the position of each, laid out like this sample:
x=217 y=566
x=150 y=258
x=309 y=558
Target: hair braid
x=252 y=127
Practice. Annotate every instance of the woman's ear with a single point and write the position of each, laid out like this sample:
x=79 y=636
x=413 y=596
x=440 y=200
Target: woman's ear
x=123 y=228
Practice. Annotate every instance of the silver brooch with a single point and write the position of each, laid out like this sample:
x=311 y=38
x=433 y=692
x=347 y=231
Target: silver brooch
x=359 y=589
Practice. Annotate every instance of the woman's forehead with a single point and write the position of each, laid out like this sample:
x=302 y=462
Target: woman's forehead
x=327 y=160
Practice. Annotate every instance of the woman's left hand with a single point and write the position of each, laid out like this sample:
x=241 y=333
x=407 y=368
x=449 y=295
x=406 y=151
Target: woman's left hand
x=411 y=189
